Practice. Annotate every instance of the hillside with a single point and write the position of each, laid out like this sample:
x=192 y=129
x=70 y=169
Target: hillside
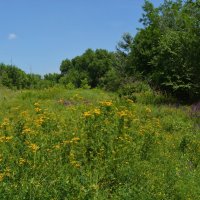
x=90 y=144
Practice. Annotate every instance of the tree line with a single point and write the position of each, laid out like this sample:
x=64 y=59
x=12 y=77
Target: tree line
x=165 y=53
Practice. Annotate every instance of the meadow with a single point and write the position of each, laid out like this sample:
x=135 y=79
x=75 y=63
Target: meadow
x=58 y=144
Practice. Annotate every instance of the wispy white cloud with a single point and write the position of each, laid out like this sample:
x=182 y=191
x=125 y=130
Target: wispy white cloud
x=12 y=36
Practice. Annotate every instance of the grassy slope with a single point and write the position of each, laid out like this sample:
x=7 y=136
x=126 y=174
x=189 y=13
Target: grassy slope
x=88 y=144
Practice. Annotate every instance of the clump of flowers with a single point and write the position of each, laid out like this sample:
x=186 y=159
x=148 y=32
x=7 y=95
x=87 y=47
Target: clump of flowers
x=87 y=114
x=148 y=110
x=36 y=104
x=26 y=130
x=106 y=103
x=97 y=111
x=94 y=112
x=37 y=107
x=34 y=147
x=39 y=121
x=5 y=123
x=22 y=161
x=4 y=174
x=5 y=138
x=122 y=113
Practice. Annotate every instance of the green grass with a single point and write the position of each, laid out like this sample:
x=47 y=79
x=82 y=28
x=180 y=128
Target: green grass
x=89 y=144
x=6 y=94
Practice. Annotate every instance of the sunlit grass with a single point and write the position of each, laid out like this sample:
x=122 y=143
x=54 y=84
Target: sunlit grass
x=89 y=144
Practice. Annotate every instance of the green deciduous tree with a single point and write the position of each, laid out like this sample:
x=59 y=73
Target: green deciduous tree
x=166 y=51
x=90 y=66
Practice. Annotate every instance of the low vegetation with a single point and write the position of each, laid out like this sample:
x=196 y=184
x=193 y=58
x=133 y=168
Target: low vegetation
x=90 y=144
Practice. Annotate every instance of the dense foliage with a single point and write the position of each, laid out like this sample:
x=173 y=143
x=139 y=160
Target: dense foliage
x=166 y=51
x=92 y=66
x=14 y=78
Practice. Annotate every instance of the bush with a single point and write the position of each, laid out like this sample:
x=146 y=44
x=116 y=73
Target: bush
x=110 y=81
x=84 y=84
x=129 y=90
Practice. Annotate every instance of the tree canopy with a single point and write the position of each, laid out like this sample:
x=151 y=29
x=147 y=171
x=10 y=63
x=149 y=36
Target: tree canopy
x=166 y=51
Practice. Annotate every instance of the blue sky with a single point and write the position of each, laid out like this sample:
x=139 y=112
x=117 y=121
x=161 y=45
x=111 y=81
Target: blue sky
x=36 y=35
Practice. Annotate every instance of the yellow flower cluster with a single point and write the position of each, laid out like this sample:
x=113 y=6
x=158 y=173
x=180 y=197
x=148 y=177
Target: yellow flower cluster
x=24 y=114
x=1 y=176
x=106 y=103
x=39 y=121
x=5 y=173
x=87 y=114
x=22 y=161
x=5 y=123
x=33 y=147
x=37 y=107
x=36 y=104
x=5 y=138
x=96 y=111
x=122 y=113
x=26 y=130
x=148 y=110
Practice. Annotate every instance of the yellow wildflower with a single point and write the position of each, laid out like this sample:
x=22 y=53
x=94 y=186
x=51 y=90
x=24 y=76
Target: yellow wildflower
x=33 y=147
x=39 y=121
x=8 y=138
x=26 y=130
x=5 y=123
x=24 y=113
x=148 y=110
x=5 y=138
x=36 y=104
x=122 y=113
x=87 y=114
x=106 y=103
x=97 y=111
x=38 y=109
x=1 y=176
x=22 y=161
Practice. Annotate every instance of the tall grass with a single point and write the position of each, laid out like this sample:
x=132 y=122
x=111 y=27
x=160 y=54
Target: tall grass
x=89 y=144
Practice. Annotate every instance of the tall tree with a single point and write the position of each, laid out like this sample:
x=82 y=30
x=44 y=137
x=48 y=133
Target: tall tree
x=166 y=50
